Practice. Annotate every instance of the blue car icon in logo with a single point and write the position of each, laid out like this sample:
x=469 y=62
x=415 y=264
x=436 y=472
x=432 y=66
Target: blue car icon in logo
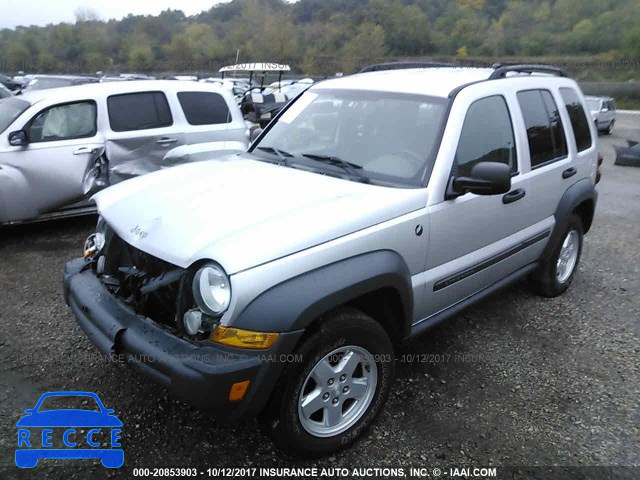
x=69 y=433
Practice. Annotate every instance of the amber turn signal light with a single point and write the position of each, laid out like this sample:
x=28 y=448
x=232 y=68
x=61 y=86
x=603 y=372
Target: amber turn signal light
x=238 y=391
x=236 y=337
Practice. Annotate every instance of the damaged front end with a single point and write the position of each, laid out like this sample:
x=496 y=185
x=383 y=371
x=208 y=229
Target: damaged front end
x=164 y=321
x=151 y=287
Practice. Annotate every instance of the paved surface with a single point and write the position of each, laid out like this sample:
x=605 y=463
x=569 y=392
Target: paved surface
x=515 y=380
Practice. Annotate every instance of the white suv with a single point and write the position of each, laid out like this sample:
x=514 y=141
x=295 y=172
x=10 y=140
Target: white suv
x=59 y=146
x=278 y=282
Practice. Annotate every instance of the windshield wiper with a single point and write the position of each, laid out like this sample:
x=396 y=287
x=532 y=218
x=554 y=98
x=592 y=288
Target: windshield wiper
x=284 y=156
x=351 y=168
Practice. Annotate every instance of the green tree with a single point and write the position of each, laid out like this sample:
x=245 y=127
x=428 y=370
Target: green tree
x=367 y=47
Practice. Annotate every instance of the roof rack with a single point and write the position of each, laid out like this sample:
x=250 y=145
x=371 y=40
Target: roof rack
x=404 y=65
x=501 y=71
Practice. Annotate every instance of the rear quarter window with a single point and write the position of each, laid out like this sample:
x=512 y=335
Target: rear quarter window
x=138 y=111
x=578 y=118
x=204 y=108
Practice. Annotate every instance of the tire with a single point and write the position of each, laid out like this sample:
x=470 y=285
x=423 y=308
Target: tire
x=555 y=274
x=301 y=432
x=609 y=130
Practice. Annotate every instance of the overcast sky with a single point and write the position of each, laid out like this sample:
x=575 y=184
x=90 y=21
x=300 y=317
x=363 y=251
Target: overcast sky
x=43 y=12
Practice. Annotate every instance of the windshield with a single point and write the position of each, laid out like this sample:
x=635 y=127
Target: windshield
x=388 y=137
x=10 y=109
x=592 y=104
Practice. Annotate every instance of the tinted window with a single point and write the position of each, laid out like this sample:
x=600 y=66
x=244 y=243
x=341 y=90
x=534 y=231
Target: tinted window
x=555 y=124
x=487 y=136
x=578 y=118
x=64 y=122
x=203 y=108
x=138 y=111
x=544 y=127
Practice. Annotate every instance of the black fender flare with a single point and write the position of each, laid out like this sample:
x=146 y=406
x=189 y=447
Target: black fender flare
x=576 y=194
x=295 y=303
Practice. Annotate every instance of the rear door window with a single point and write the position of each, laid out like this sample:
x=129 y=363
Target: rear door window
x=547 y=142
x=204 y=108
x=578 y=118
x=139 y=111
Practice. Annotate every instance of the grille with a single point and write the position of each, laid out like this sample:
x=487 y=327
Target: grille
x=153 y=287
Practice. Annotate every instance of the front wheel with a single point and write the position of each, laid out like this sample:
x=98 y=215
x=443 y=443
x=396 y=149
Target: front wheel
x=556 y=274
x=333 y=394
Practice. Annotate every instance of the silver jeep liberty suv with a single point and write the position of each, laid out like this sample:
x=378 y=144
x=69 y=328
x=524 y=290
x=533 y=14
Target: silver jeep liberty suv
x=276 y=283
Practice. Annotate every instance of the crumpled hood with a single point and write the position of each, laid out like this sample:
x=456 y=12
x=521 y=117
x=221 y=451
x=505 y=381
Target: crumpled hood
x=242 y=212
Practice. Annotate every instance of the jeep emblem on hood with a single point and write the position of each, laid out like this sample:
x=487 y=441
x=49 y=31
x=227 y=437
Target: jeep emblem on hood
x=137 y=231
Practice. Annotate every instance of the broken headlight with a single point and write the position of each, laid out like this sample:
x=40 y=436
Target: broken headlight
x=212 y=289
x=95 y=243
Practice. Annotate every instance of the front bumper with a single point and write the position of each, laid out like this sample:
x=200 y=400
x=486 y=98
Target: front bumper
x=200 y=373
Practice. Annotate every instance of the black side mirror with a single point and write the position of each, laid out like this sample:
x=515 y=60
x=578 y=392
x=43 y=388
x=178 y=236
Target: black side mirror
x=486 y=178
x=255 y=133
x=18 y=138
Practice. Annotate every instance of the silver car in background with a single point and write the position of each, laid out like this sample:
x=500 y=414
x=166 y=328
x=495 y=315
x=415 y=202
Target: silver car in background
x=603 y=113
x=60 y=146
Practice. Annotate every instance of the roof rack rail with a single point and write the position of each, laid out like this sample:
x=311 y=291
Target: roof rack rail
x=379 y=67
x=502 y=70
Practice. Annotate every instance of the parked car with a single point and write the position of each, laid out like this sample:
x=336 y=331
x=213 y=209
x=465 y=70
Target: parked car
x=125 y=77
x=4 y=92
x=59 y=146
x=372 y=208
x=43 y=82
x=22 y=80
x=183 y=78
x=603 y=113
x=9 y=83
x=238 y=86
x=290 y=89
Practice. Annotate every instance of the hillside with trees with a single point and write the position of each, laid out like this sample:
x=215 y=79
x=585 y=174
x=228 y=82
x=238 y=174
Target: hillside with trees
x=324 y=36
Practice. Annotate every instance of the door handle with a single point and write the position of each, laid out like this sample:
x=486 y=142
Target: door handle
x=167 y=140
x=85 y=150
x=569 y=172
x=513 y=196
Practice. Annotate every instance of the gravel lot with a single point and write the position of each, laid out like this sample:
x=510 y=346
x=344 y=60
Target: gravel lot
x=515 y=381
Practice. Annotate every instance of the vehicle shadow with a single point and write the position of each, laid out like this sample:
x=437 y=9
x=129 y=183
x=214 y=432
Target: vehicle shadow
x=50 y=235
